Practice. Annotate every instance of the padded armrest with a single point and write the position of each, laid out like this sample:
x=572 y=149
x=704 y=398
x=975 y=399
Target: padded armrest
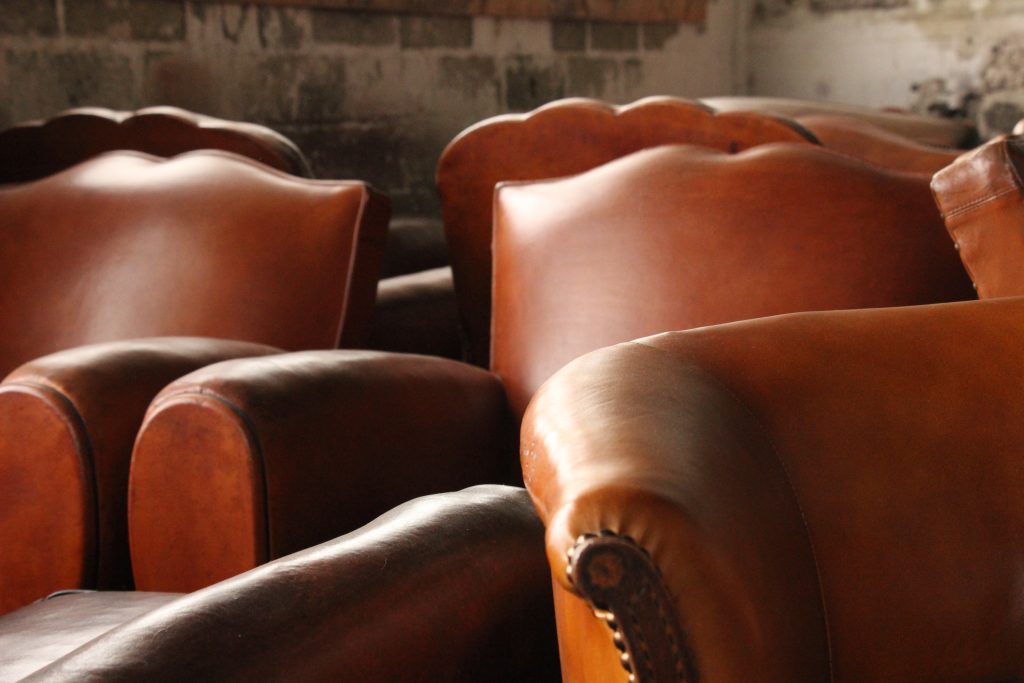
x=450 y=587
x=627 y=452
x=896 y=432
x=67 y=424
x=243 y=462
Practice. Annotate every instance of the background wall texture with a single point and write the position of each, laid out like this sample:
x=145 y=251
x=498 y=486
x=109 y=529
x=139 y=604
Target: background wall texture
x=377 y=96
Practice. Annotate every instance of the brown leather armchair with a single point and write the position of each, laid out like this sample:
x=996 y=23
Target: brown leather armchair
x=813 y=497
x=451 y=587
x=36 y=149
x=125 y=246
x=559 y=139
x=668 y=238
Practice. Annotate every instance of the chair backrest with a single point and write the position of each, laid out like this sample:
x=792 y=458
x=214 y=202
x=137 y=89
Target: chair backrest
x=866 y=141
x=559 y=139
x=926 y=130
x=205 y=244
x=36 y=149
x=679 y=237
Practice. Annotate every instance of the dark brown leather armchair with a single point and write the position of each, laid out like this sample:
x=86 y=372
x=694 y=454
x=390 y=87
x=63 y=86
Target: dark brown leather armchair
x=36 y=149
x=668 y=238
x=451 y=587
x=126 y=246
x=813 y=497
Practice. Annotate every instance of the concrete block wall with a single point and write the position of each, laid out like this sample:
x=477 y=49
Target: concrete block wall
x=372 y=96
x=924 y=55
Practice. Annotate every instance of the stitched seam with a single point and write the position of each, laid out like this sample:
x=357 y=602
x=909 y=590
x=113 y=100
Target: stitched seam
x=789 y=483
x=975 y=203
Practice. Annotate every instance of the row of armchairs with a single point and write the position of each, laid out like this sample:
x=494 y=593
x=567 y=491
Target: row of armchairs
x=239 y=462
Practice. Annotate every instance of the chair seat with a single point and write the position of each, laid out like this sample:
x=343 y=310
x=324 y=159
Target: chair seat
x=44 y=631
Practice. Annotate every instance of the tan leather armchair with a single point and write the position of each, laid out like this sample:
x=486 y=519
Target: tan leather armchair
x=127 y=246
x=451 y=587
x=813 y=497
x=668 y=238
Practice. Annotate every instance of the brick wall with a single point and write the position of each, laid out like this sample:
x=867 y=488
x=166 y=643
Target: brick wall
x=373 y=96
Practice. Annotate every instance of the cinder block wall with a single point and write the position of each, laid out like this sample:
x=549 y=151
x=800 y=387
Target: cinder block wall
x=373 y=96
x=924 y=55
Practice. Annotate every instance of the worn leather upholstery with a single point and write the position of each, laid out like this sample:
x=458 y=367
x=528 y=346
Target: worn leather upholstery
x=680 y=237
x=559 y=139
x=826 y=496
x=243 y=462
x=126 y=246
x=36 y=149
x=982 y=200
x=450 y=587
x=926 y=130
x=417 y=313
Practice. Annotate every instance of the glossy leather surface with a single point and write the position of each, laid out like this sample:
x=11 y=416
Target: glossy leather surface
x=67 y=425
x=36 y=149
x=829 y=496
x=679 y=237
x=45 y=631
x=451 y=587
x=869 y=143
x=926 y=130
x=559 y=139
x=243 y=462
x=982 y=201
x=207 y=243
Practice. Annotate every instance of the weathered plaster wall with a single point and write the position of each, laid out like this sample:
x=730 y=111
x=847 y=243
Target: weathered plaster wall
x=373 y=96
x=920 y=54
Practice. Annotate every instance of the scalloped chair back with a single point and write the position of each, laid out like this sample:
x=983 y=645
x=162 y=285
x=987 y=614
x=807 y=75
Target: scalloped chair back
x=36 y=149
x=559 y=139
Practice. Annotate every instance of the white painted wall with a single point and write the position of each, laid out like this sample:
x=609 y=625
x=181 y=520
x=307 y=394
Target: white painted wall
x=925 y=53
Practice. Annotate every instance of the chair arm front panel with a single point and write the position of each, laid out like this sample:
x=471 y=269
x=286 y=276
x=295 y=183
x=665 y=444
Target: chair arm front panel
x=67 y=425
x=245 y=462
x=629 y=447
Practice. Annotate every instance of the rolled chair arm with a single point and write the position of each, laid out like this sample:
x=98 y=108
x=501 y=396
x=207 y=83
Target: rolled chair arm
x=67 y=424
x=243 y=462
x=417 y=313
x=669 y=513
x=450 y=587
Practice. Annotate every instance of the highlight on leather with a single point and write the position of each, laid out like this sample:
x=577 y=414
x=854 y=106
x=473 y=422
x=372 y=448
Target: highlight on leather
x=559 y=139
x=35 y=149
x=981 y=197
x=681 y=236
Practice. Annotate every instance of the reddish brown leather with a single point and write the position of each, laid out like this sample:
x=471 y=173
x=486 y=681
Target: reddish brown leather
x=243 y=462
x=417 y=313
x=680 y=237
x=982 y=199
x=450 y=587
x=900 y=449
x=67 y=425
x=45 y=631
x=36 y=149
x=207 y=243
x=926 y=130
x=865 y=141
x=559 y=139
